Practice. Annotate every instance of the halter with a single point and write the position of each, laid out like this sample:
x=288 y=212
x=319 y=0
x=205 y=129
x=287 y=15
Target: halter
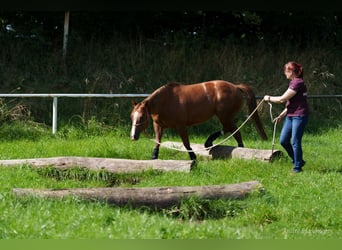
x=144 y=122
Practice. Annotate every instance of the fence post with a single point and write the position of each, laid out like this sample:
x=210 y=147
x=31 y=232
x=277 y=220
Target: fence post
x=54 y=115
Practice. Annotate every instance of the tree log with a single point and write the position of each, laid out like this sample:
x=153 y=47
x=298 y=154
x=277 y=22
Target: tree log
x=226 y=152
x=159 y=197
x=110 y=164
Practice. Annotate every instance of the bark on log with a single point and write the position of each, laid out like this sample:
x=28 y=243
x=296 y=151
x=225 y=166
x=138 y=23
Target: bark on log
x=160 y=197
x=110 y=164
x=226 y=152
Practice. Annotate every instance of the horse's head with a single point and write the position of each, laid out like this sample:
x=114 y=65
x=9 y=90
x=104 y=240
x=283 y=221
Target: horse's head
x=139 y=117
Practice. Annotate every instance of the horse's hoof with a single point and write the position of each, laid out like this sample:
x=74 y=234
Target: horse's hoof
x=208 y=144
x=192 y=156
x=193 y=164
x=155 y=154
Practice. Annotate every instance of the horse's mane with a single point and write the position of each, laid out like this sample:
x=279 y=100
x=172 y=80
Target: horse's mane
x=160 y=90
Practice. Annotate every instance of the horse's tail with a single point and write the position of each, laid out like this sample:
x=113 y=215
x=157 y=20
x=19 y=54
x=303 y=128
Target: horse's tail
x=251 y=99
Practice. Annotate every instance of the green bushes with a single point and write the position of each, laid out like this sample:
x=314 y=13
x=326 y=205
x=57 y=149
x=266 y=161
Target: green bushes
x=140 y=66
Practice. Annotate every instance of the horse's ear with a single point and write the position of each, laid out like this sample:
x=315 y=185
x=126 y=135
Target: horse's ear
x=133 y=102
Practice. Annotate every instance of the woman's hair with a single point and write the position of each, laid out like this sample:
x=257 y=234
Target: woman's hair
x=296 y=68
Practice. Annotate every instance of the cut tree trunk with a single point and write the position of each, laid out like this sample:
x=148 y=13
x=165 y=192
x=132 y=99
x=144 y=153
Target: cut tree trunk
x=110 y=164
x=160 y=197
x=225 y=152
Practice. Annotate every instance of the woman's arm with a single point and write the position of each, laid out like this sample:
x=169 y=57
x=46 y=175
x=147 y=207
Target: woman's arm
x=289 y=93
x=280 y=116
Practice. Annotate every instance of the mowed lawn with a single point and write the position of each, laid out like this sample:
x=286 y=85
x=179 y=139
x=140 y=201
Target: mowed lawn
x=307 y=205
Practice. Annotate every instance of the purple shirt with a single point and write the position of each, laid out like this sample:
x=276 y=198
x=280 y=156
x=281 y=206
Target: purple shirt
x=298 y=104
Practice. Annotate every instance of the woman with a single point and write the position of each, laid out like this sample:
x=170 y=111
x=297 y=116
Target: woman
x=296 y=112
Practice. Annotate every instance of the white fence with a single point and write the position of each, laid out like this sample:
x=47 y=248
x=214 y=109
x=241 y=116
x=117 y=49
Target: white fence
x=56 y=96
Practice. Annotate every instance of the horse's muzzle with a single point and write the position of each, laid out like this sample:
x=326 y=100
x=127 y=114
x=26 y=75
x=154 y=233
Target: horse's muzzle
x=135 y=137
x=134 y=133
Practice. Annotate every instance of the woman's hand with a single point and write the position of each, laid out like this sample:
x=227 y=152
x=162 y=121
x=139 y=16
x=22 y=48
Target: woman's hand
x=267 y=98
x=277 y=119
x=280 y=117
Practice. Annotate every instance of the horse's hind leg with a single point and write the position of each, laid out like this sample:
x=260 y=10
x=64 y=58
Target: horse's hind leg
x=232 y=128
x=228 y=126
x=237 y=135
x=209 y=142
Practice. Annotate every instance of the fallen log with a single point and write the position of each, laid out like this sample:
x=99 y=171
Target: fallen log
x=226 y=152
x=110 y=164
x=159 y=197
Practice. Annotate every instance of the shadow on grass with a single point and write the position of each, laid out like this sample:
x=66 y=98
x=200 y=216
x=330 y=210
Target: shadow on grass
x=196 y=209
x=337 y=170
x=106 y=178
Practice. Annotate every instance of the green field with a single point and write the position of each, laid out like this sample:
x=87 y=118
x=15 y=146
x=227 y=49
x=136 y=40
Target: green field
x=302 y=206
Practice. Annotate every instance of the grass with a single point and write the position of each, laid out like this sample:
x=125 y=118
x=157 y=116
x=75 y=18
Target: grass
x=302 y=206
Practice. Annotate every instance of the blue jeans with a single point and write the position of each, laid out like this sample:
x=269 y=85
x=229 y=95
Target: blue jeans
x=291 y=139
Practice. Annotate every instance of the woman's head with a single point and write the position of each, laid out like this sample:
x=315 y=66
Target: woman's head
x=293 y=69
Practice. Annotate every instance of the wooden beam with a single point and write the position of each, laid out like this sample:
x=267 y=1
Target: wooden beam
x=226 y=152
x=110 y=164
x=160 y=197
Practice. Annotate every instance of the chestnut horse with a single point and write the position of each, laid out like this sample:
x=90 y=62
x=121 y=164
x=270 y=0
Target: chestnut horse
x=178 y=106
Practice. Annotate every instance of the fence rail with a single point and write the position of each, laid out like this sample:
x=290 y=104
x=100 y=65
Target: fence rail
x=60 y=95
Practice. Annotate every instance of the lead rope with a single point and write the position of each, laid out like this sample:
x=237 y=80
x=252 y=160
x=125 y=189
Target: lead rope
x=227 y=138
x=274 y=127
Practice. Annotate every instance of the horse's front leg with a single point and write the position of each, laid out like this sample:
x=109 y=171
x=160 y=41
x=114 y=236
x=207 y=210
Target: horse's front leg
x=185 y=138
x=158 y=130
